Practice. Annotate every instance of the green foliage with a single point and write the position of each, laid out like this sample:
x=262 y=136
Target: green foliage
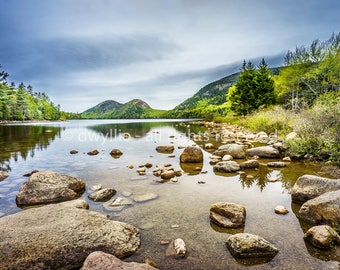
x=22 y=104
x=308 y=73
x=208 y=102
x=272 y=120
x=254 y=89
x=318 y=128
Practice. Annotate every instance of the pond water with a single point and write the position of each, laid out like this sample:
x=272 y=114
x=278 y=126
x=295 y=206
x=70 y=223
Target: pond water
x=182 y=208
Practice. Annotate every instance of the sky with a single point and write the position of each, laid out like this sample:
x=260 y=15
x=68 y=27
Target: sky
x=82 y=52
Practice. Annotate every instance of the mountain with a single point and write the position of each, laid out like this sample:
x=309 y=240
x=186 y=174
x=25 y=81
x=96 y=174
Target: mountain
x=134 y=109
x=212 y=95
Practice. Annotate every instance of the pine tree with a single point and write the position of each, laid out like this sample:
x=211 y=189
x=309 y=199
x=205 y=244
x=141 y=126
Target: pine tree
x=265 y=86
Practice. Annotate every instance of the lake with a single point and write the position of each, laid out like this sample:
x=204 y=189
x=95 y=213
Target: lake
x=181 y=209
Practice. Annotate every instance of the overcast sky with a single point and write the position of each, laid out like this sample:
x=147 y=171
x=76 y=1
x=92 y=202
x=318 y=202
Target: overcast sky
x=82 y=52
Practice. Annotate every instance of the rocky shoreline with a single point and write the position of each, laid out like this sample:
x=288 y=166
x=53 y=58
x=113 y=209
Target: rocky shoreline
x=60 y=231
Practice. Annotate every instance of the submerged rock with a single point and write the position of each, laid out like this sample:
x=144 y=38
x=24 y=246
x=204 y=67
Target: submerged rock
x=227 y=166
x=61 y=236
x=324 y=209
x=310 y=186
x=322 y=236
x=116 y=153
x=102 y=195
x=73 y=152
x=99 y=260
x=145 y=197
x=246 y=245
x=263 y=152
x=49 y=187
x=117 y=204
x=191 y=154
x=228 y=215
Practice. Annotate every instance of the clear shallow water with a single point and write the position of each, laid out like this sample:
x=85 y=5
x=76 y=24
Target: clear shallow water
x=46 y=146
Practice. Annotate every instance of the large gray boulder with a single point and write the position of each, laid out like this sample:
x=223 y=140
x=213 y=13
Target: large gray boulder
x=228 y=215
x=246 y=245
x=324 y=209
x=263 y=152
x=323 y=236
x=191 y=154
x=61 y=235
x=99 y=260
x=49 y=187
x=249 y=164
x=235 y=150
x=310 y=186
x=226 y=166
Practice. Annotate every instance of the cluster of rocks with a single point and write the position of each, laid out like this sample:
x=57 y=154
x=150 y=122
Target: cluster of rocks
x=115 y=153
x=240 y=245
x=320 y=199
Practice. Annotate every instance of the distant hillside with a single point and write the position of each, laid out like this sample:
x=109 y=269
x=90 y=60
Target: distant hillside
x=212 y=95
x=134 y=109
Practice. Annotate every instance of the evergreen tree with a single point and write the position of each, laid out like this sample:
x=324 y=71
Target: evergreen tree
x=265 y=86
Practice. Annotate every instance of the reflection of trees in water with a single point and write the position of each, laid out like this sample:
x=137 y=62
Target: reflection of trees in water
x=136 y=130
x=23 y=140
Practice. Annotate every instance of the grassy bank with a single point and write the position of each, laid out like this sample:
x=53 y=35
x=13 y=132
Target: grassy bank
x=317 y=128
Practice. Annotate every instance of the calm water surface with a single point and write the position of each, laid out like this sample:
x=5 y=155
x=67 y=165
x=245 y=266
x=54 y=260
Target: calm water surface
x=46 y=146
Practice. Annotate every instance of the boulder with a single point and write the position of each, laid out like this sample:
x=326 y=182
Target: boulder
x=263 y=152
x=165 y=149
x=93 y=152
x=3 y=175
x=235 y=150
x=49 y=187
x=277 y=164
x=228 y=215
x=322 y=236
x=227 y=166
x=61 y=236
x=249 y=164
x=99 y=260
x=191 y=154
x=102 y=195
x=73 y=152
x=246 y=245
x=227 y=157
x=324 y=209
x=310 y=186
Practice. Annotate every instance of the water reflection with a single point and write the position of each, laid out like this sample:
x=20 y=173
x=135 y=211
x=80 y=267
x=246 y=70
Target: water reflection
x=23 y=141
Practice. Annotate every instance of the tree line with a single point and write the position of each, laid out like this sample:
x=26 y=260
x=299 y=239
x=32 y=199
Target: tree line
x=22 y=103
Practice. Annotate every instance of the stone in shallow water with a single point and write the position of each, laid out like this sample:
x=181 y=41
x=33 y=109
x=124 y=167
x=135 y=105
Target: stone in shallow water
x=322 y=236
x=102 y=195
x=103 y=261
x=117 y=204
x=49 y=187
x=246 y=245
x=228 y=215
x=281 y=210
x=3 y=175
x=145 y=197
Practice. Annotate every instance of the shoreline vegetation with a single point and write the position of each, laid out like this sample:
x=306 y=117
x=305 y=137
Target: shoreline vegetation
x=303 y=97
